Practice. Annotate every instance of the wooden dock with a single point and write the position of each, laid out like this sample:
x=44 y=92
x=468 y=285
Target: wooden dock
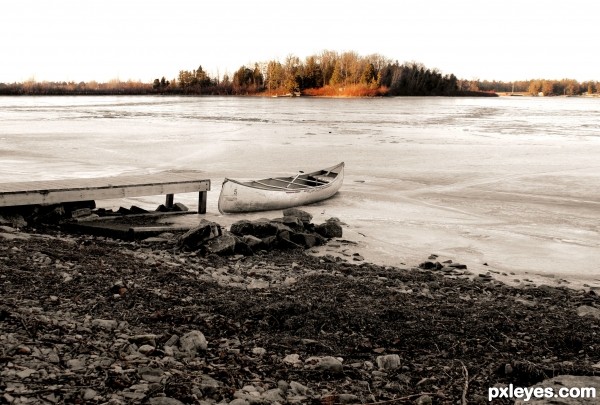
x=102 y=188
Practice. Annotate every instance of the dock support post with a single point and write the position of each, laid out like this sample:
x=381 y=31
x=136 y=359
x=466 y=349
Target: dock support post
x=202 y=202
x=169 y=201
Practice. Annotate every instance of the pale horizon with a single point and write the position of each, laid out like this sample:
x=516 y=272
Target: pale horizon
x=70 y=40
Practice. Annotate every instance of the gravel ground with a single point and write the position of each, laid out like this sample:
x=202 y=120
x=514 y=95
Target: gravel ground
x=93 y=320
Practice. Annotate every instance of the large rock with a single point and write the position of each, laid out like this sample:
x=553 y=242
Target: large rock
x=224 y=245
x=330 y=229
x=50 y=214
x=284 y=240
x=304 y=216
x=291 y=222
x=14 y=220
x=253 y=242
x=195 y=238
x=307 y=240
x=260 y=228
x=270 y=242
x=242 y=227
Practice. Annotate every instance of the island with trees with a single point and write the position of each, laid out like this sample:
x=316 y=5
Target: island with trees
x=327 y=74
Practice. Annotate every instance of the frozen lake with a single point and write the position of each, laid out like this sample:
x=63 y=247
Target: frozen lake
x=513 y=182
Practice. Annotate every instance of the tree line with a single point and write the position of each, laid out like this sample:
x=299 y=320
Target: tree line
x=537 y=87
x=328 y=73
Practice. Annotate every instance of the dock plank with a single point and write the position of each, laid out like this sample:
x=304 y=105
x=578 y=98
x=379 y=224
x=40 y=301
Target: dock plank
x=102 y=188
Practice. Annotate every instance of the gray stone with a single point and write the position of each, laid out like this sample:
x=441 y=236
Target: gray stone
x=273 y=395
x=26 y=373
x=424 y=400
x=253 y=242
x=75 y=364
x=269 y=242
x=347 y=399
x=146 y=349
x=16 y=221
x=239 y=401
x=81 y=212
x=298 y=388
x=457 y=266
x=283 y=386
x=260 y=228
x=330 y=364
x=198 y=236
x=242 y=248
x=180 y=207
x=172 y=341
x=259 y=351
x=293 y=222
x=89 y=394
x=149 y=339
x=256 y=284
x=223 y=245
x=586 y=310
x=133 y=396
x=388 y=362
x=164 y=401
x=284 y=240
x=209 y=385
x=292 y=359
x=152 y=375
x=329 y=229
x=193 y=341
x=304 y=216
x=242 y=227
x=306 y=240
x=107 y=324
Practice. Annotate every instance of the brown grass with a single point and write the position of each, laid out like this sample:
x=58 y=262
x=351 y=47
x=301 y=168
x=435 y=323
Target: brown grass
x=355 y=90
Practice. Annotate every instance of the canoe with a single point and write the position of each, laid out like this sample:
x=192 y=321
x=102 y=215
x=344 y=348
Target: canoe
x=277 y=193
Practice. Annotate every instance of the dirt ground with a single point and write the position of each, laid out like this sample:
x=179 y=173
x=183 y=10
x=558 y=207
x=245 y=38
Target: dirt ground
x=92 y=320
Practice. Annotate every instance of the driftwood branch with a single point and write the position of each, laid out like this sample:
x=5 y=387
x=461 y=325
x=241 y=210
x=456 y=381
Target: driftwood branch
x=466 y=386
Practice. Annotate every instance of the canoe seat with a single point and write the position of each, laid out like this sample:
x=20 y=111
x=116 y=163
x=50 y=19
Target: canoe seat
x=322 y=179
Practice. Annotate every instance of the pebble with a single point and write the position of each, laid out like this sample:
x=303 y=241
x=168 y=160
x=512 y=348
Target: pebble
x=193 y=341
x=26 y=373
x=586 y=310
x=330 y=364
x=388 y=362
x=293 y=360
x=75 y=364
x=164 y=401
x=299 y=389
x=108 y=324
x=146 y=349
x=239 y=401
x=89 y=394
x=259 y=351
x=150 y=374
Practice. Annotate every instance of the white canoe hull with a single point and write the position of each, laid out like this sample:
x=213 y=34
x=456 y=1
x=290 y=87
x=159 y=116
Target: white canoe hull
x=237 y=196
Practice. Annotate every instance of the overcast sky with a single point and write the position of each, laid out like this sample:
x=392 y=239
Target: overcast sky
x=84 y=40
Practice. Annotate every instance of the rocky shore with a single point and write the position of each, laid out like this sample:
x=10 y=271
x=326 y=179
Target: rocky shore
x=182 y=319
